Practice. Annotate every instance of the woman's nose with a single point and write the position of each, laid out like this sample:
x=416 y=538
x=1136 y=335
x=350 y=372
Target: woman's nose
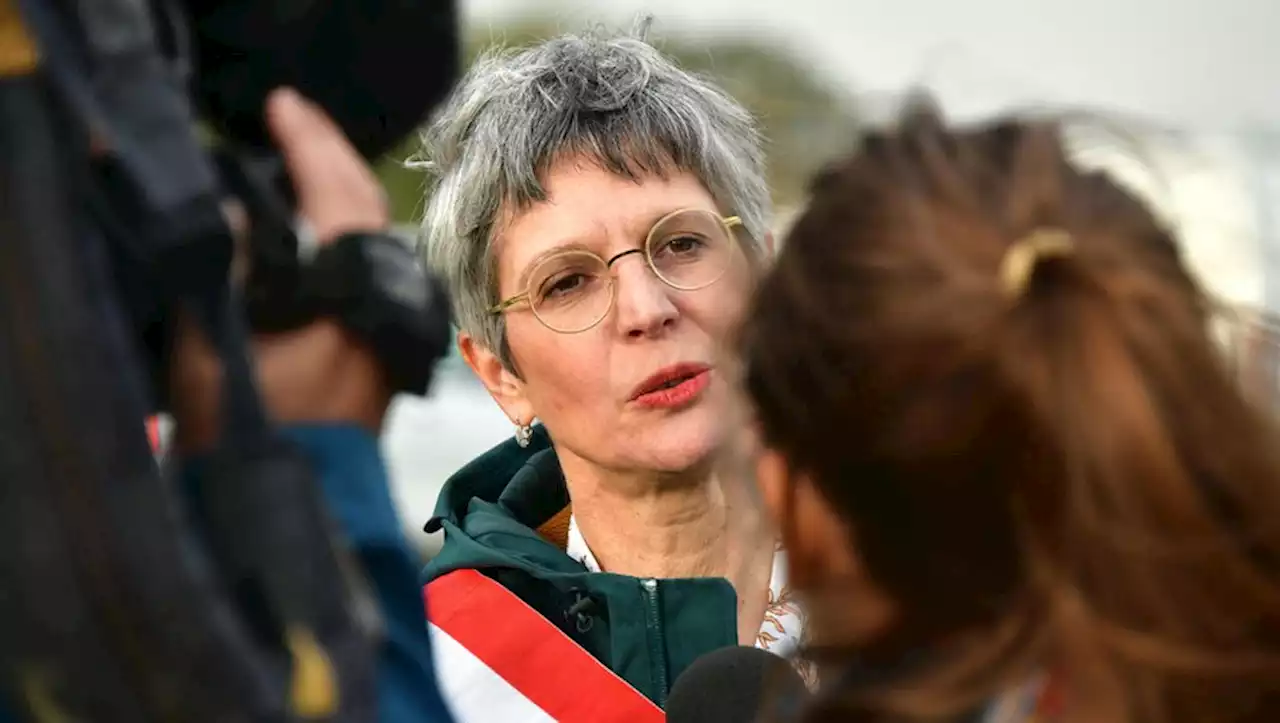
x=644 y=303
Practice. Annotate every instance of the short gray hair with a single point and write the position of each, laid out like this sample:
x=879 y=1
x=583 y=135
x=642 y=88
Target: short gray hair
x=616 y=99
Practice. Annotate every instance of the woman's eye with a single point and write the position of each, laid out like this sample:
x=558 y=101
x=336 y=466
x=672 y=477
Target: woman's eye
x=682 y=244
x=563 y=285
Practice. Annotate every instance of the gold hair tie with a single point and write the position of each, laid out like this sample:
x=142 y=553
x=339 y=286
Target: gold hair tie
x=1021 y=258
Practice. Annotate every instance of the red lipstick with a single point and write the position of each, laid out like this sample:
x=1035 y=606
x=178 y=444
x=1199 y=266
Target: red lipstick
x=672 y=387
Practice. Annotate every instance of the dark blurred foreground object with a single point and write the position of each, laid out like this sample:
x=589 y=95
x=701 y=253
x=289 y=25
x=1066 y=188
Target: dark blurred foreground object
x=119 y=602
x=736 y=685
x=375 y=66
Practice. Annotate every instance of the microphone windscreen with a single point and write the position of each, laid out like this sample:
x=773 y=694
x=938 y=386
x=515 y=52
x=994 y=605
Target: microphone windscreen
x=377 y=67
x=732 y=685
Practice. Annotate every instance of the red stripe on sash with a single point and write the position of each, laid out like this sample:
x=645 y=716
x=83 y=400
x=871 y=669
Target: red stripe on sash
x=531 y=654
x=153 y=433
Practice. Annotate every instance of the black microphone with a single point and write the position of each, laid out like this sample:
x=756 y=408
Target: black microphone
x=734 y=685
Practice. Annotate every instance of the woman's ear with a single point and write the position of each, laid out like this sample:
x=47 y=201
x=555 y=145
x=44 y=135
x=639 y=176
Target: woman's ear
x=503 y=385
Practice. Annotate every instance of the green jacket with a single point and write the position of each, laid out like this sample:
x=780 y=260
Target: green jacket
x=647 y=631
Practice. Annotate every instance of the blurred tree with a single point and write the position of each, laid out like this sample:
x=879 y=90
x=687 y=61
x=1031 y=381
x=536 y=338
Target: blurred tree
x=804 y=119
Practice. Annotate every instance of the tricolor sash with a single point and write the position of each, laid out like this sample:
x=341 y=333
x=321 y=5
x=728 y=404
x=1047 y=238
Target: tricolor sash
x=499 y=661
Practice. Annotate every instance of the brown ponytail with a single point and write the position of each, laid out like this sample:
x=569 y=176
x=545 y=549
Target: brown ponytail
x=1061 y=479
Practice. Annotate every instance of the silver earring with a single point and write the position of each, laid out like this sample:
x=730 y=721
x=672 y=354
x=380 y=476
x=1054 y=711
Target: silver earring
x=524 y=433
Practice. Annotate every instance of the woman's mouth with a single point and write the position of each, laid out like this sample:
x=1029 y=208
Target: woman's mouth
x=672 y=387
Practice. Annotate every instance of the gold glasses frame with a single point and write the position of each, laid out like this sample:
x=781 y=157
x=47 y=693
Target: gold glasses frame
x=727 y=222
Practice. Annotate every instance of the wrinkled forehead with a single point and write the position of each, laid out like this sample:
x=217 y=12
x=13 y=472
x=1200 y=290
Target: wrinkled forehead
x=592 y=209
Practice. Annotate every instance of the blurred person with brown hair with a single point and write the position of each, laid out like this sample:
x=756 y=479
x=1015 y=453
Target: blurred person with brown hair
x=1014 y=477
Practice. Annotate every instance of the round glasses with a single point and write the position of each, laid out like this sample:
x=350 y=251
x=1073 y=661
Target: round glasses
x=573 y=291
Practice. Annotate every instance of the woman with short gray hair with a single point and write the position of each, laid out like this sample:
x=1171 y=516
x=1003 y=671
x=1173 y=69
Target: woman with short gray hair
x=599 y=216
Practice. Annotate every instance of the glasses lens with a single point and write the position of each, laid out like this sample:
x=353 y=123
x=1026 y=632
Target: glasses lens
x=571 y=291
x=690 y=249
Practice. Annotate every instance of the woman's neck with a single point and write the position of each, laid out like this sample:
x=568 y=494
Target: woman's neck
x=679 y=531
x=666 y=527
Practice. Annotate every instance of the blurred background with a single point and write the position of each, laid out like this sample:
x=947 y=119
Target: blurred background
x=1177 y=97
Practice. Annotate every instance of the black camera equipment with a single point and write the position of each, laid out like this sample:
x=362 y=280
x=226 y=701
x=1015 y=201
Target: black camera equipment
x=118 y=601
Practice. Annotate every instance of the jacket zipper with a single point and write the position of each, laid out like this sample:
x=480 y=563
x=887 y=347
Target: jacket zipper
x=657 y=652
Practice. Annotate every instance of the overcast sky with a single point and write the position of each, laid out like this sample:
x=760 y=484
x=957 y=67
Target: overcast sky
x=1208 y=64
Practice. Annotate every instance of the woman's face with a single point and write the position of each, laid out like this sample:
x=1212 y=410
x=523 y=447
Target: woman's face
x=596 y=390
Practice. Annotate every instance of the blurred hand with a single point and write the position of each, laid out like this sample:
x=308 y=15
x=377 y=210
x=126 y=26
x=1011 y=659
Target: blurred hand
x=320 y=373
x=337 y=192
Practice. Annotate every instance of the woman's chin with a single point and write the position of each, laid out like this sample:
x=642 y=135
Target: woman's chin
x=680 y=444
